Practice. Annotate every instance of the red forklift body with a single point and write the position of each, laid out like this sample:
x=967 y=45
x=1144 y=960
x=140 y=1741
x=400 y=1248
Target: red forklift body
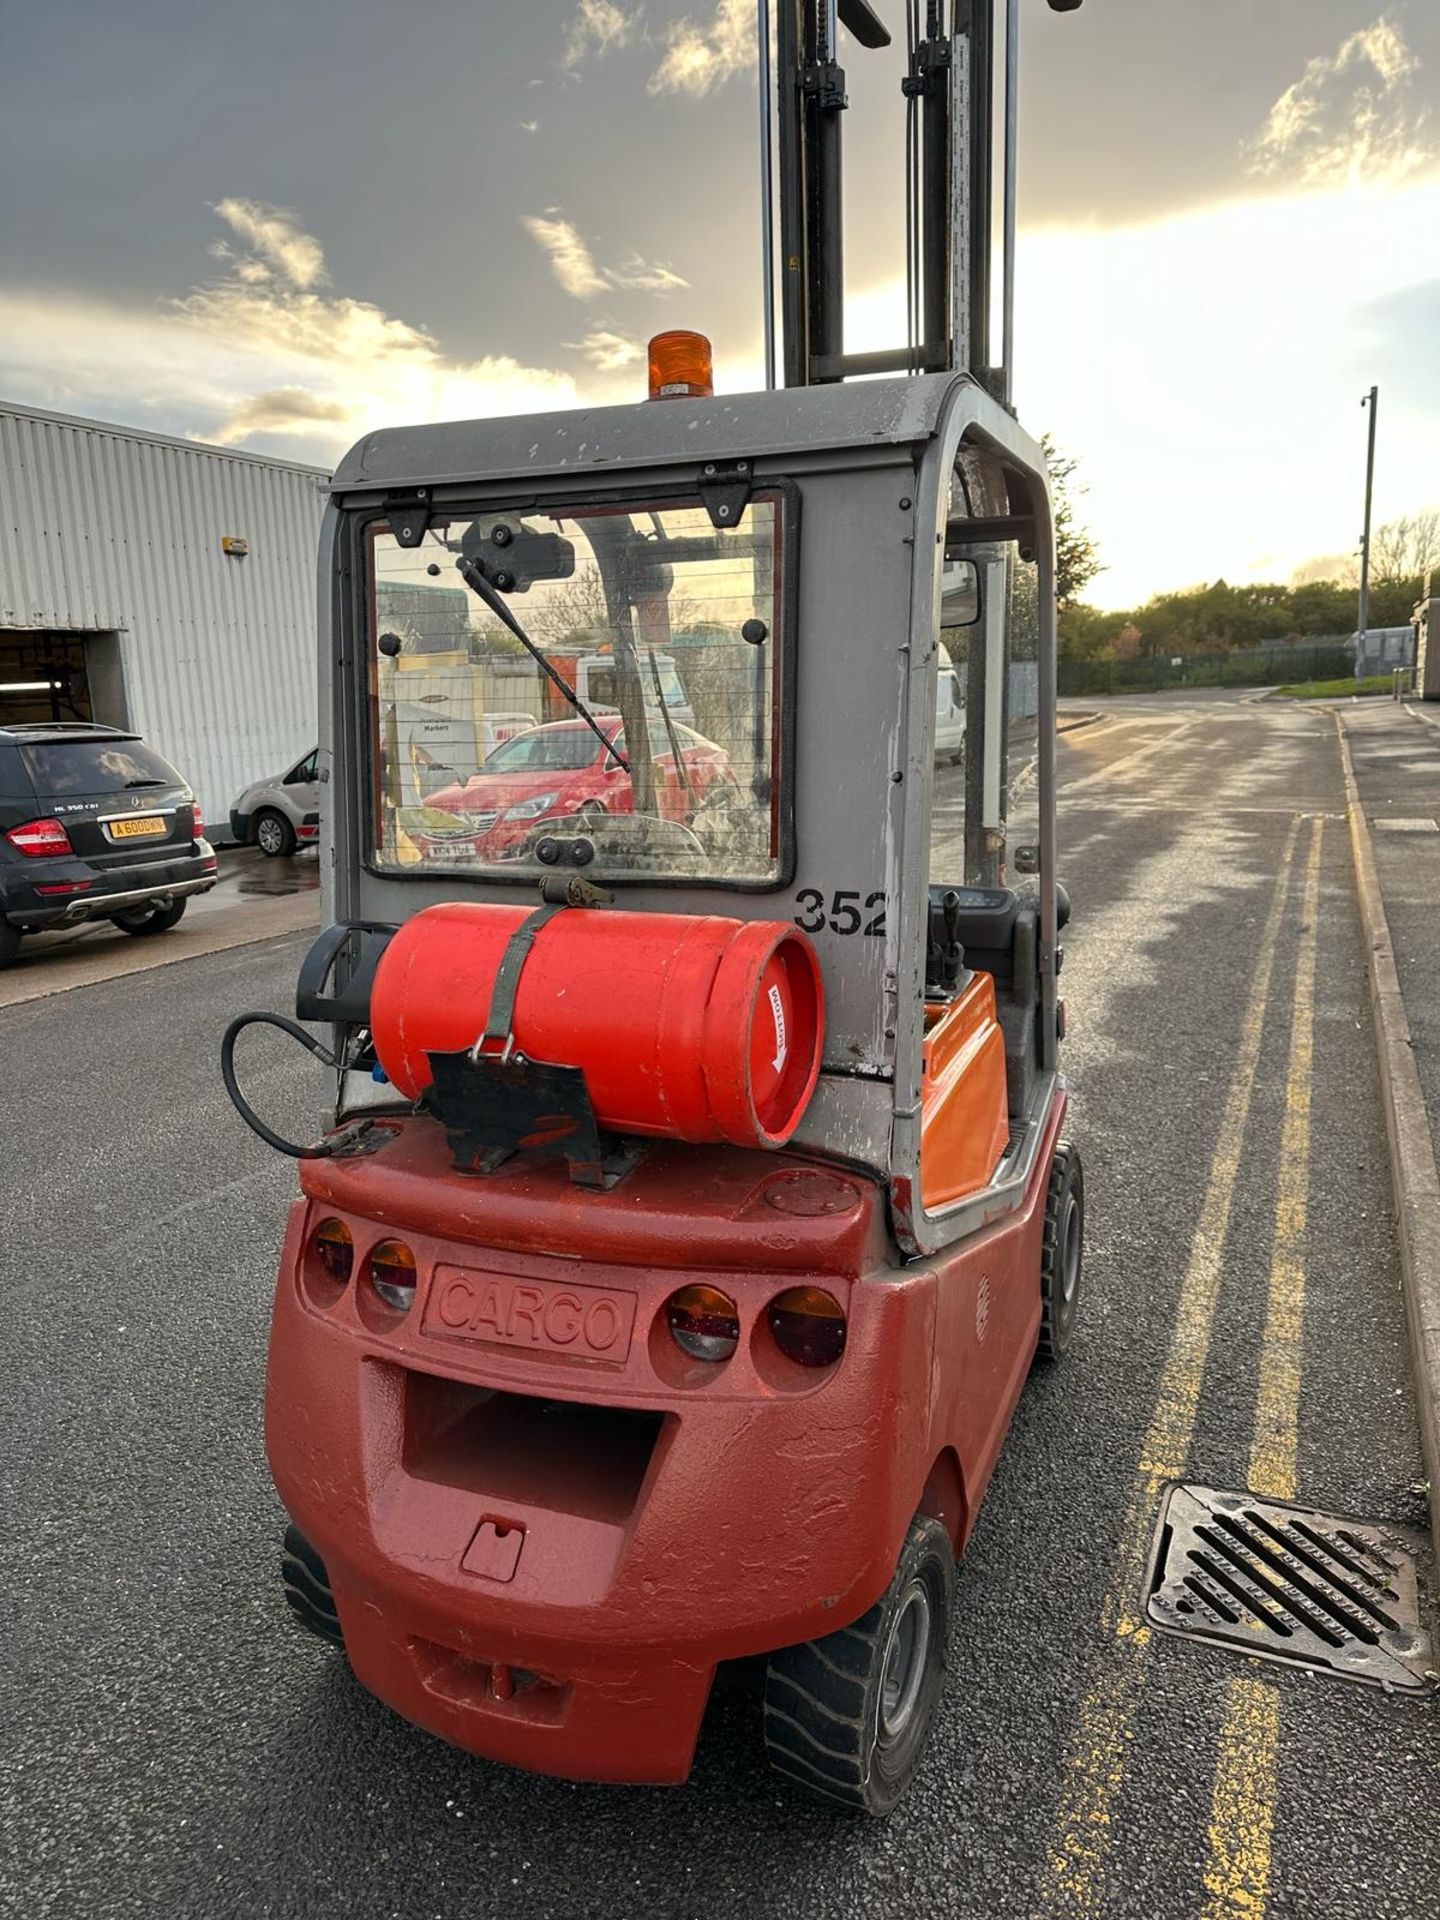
x=694 y=1205
x=543 y=1526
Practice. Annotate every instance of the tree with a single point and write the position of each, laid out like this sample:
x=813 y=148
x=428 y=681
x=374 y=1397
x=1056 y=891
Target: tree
x=1086 y=631
x=1077 y=558
x=1403 y=551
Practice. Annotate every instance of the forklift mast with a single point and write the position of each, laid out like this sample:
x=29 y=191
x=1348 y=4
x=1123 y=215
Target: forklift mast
x=950 y=95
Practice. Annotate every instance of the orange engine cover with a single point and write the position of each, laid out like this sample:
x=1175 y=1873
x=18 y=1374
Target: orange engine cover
x=685 y=1027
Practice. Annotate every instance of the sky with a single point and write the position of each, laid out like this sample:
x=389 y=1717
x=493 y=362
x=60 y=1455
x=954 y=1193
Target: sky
x=274 y=227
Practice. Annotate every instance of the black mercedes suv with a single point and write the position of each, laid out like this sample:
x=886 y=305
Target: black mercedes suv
x=94 y=825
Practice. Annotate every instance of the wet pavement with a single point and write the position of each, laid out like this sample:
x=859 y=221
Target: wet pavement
x=254 y=899
x=173 y=1745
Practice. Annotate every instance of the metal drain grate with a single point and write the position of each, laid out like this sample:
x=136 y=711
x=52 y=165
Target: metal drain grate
x=1286 y=1583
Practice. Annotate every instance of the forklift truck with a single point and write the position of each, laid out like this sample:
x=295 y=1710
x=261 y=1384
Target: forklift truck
x=697 y=1199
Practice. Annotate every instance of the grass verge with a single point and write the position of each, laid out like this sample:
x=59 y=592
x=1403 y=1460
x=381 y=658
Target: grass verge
x=1335 y=689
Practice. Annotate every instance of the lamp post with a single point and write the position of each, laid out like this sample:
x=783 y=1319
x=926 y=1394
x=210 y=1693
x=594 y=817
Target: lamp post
x=1371 y=400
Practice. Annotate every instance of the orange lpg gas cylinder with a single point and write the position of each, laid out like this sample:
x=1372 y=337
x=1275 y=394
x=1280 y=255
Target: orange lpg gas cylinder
x=685 y=1027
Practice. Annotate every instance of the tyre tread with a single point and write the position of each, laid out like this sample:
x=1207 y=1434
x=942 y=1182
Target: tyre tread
x=1065 y=1169
x=307 y=1590
x=821 y=1698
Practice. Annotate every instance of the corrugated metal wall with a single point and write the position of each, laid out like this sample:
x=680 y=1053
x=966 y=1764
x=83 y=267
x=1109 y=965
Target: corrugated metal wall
x=106 y=529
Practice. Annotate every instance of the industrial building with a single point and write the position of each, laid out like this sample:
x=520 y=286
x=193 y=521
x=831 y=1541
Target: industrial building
x=162 y=585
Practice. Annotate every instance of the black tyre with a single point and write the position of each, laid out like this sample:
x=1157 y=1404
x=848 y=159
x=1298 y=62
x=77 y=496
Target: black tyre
x=307 y=1588
x=9 y=943
x=847 y=1716
x=156 y=919
x=1063 y=1252
x=274 y=834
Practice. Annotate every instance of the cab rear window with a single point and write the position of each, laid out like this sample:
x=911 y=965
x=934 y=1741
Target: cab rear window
x=95 y=766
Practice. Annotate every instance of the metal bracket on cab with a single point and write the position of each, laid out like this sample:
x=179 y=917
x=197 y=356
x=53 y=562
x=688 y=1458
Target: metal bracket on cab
x=725 y=489
x=408 y=511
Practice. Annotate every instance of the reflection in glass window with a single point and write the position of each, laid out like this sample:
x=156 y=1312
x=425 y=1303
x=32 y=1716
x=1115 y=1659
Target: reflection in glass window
x=668 y=633
x=985 y=808
x=1021 y=801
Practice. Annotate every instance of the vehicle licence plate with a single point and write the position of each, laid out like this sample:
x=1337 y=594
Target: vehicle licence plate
x=138 y=828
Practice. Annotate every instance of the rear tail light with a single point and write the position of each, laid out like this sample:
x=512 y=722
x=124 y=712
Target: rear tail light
x=40 y=837
x=808 y=1326
x=703 y=1322
x=391 y=1268
x=334 y=1250
x=197 y=820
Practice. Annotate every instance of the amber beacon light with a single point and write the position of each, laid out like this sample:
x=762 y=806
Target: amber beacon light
x=681 y=366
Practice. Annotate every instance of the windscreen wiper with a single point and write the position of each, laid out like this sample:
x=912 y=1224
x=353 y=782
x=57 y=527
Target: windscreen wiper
x=681 y=769
x=474 y=578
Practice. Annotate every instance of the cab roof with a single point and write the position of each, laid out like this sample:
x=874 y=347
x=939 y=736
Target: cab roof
x=736 y=426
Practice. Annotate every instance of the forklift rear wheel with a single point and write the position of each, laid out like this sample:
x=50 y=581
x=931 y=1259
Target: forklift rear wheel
x=1063 y=1251
x=847 y=1716
x=307 y=1588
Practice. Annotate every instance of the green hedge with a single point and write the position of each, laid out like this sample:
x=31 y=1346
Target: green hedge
x=1242 y=667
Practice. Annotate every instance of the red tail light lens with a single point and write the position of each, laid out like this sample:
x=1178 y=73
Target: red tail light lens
x=808 y=1326
x=391 y=1268
x=334 y=1250
x=197 y=820
x=703 y=1322
x=40 y=837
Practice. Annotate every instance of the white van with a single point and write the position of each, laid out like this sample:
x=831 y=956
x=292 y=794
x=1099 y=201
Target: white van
x=949 y=709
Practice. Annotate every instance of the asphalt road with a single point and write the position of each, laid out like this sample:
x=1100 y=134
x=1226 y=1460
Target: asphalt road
x=171 y=1745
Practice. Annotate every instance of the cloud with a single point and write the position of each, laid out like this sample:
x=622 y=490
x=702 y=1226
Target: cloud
x=278 y=410
x=247 y=358
x=279 y=248
x=571 y=261
x=573 y=264
x=638 y=276
x=598 y=28
x=701 y=56
x=1352 y=115
x=1209 y=371
x=609 y=351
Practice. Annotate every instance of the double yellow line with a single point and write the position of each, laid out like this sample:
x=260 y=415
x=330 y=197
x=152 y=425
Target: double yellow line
x=1237 y=1872
x=1242 y=1802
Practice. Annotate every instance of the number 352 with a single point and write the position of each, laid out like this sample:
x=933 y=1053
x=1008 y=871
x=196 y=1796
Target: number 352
x=845 y=912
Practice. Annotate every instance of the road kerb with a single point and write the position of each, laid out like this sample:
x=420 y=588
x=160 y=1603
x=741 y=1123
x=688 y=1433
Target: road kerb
x=1413 y=1169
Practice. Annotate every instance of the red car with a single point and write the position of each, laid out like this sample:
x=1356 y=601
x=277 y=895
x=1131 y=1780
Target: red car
x=557 y=770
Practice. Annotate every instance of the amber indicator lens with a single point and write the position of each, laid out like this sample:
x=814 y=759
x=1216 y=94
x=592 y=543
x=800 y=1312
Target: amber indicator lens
x=680 y=366
x=703 y=1322
x=808 y=1326
x=334 y=1250
x=391 y=1267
